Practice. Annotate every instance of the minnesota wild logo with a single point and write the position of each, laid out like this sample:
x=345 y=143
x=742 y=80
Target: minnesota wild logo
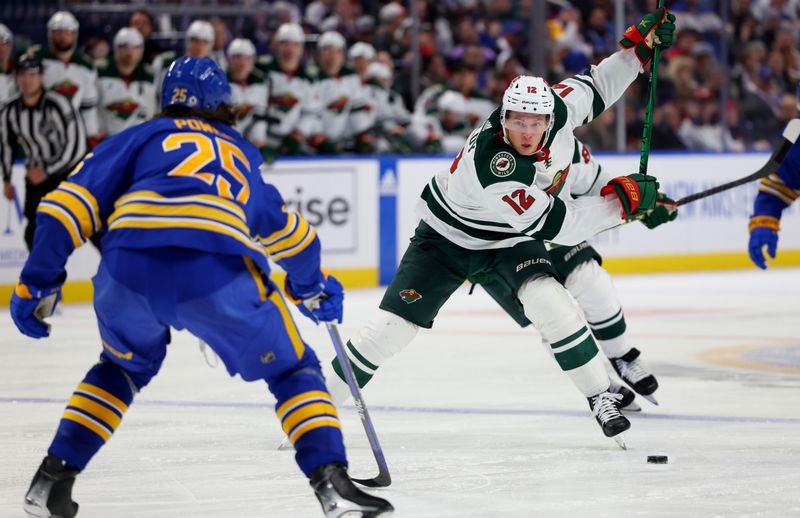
x=410 y=296
x=284 y=102
x=558 y=182
x=503 y=164
x=338 y=105
x=243 y=110
x=66 y=88
x=123 y=109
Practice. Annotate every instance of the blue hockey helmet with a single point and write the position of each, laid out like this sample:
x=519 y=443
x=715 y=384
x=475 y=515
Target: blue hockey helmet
x=196 y=83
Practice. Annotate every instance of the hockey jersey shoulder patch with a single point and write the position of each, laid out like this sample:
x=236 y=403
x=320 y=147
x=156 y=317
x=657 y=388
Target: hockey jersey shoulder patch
x=496 y=161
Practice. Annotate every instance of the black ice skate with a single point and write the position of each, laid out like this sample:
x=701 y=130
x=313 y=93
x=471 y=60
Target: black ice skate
x=50 y=494
x=605 y=407
x=628 y=402
x=632 y=372
x=341 y=498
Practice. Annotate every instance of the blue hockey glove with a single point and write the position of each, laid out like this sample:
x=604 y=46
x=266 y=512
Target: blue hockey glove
x=321 y=302
x=30 y=305
x=763 y=231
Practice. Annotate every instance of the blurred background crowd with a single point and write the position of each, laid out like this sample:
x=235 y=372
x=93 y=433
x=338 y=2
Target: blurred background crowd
x=415 y=76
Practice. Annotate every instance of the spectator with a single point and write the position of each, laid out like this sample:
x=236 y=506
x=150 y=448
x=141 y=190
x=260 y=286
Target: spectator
x=69 y=72
x=248 y=92
x=96 y=48
x=600 y=34
x=143 y=22
x=52 y=148
x=125 y=85
x=317 y=11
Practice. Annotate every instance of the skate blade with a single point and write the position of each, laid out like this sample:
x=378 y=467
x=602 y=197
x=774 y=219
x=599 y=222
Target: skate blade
x=633 y=407
x=285 y=444
x=651 y=398
x=620 y=440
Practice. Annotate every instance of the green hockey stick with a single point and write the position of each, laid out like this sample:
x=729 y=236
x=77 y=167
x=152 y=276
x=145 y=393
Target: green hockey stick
x=647 y=132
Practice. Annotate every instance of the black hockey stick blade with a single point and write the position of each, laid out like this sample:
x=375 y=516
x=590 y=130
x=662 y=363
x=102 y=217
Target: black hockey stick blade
x=382 y=480
x=790 y=134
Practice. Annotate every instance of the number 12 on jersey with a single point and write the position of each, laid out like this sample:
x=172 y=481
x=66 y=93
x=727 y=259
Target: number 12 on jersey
x=525 y=200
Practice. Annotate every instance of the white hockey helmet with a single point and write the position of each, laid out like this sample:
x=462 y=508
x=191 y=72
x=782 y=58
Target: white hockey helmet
x=241 y=47
x=200 y=30
x=331 y=39
x=128 y=36
x=291 y=32
x=5 y=35
x=361 y=49
x=528 y=94
x=451 y=101
x=379 y=71
x=62 y=21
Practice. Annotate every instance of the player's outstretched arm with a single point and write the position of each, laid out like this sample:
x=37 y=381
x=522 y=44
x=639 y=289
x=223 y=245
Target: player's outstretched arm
x=588 y=94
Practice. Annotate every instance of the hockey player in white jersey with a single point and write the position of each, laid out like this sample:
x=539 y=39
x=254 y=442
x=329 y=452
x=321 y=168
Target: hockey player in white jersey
x=359 y=57
x=292 y=115
x=7 y=86
x=199 y=40
x=69 y=72
x=486 y=219
x=125 y=85
x=344 y=114
x=390 y=117
x=248 y=92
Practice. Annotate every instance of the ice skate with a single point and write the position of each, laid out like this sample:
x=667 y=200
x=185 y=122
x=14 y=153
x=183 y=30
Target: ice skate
x=628 y=402
x=632 y=372
x=50 y=493
x=339 y=497
x=605 y=407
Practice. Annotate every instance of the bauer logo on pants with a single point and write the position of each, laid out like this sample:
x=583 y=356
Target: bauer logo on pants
x=410 y=296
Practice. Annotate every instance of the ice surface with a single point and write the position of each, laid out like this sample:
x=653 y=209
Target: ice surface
x=475 y=418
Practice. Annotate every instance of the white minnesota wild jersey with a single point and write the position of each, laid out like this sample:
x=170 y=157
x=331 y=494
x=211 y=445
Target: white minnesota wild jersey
x=75 y=80
x=123 y=103
x=8 y=85
x=343 y=107
x=493 y=197
x=249 y=101
x=290 y=105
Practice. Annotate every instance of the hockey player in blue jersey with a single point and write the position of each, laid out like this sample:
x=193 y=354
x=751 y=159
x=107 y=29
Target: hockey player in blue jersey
x=776 y=192
x=190 y=227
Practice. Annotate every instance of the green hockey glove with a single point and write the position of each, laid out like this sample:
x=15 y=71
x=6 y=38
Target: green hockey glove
x=653 y=29
x=666 y=210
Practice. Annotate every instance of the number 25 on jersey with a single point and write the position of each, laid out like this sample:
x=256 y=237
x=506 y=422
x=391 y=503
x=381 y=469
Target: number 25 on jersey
x=206 y=151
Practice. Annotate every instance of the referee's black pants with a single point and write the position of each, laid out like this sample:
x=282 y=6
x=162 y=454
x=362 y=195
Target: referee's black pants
x=34 y=195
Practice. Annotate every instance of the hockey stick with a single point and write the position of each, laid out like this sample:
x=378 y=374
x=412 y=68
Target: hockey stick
x=790 y=136
x=383 y=479
x=647 y=132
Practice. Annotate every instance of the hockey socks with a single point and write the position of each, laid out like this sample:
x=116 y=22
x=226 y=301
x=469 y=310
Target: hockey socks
x=93 y=412
x=308 y=417
x=362 y=368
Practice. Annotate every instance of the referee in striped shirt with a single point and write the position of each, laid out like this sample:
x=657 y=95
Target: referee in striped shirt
x=49 y=132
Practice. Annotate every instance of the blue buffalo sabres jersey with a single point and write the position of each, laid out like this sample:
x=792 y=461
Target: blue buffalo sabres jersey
x=778 y=190
x=173 y=182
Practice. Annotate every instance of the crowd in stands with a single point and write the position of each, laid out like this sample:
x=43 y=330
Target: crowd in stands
x=333 y=76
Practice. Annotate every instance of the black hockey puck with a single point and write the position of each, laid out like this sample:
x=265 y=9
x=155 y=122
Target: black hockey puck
x=656 y=459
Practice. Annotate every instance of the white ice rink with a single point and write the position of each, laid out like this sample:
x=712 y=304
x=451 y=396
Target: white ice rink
x=475 y=418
